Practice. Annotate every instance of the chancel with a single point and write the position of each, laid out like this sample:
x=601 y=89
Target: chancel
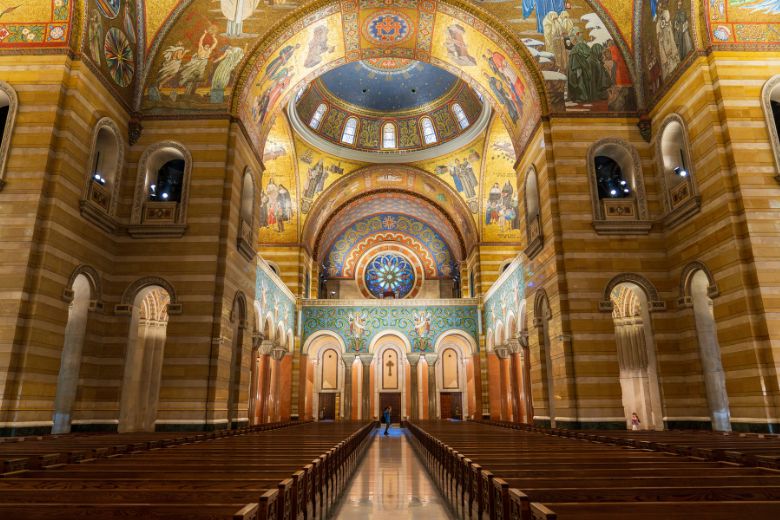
x=538 y=239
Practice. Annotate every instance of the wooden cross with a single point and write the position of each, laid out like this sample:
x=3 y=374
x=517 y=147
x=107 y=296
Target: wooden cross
x=390 y=366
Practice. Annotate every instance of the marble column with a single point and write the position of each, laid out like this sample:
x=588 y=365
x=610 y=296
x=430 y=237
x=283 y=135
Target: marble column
x=516 y=376
x=277 y=355
x=502 y=352
x=348 y=360
x=525 y=384
x=254 y=385
x=430 y=358
x=265 y=378
x=366 y=359
x=414 y=359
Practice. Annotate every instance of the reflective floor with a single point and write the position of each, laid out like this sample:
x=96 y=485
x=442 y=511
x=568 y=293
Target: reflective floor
x=391 y=483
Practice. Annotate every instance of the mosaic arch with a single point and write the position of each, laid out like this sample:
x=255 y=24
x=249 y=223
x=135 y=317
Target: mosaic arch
x=388 y=202
x=411 y=183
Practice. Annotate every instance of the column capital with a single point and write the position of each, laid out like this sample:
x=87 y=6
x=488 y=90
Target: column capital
x=502 y=351
x=366 y=359
x=514 y=345
x=266 y=346
x=257 y=339
x=413 y=359
x=522 y=337
x=431 y=357
x=348 y=359
x=278 y=353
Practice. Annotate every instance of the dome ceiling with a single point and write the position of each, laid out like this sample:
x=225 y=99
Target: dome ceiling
x=388 y=85
x=353 y=106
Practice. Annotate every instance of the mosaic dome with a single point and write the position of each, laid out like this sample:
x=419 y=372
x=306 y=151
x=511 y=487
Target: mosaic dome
x=355 y=106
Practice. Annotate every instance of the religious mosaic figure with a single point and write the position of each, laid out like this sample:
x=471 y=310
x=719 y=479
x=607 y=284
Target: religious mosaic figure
x=236 y=11
x=225 y=66
x=457 y=49
x=682 y=31
x=587 y=78
x=315 y=181
x=667 y=48
x=95 y=36
x=502 y=207
x=194 y=71
x=357 y=329
x=275 y=206
x=318 y=45
x=422 y=326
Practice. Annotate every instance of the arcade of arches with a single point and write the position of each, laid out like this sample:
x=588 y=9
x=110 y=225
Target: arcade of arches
x=220 y=213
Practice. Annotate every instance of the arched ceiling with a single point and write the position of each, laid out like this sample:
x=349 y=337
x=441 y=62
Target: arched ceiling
x=400 y=190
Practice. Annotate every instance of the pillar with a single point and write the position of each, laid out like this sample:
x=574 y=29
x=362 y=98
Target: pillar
x=265 y=378
x=516 y=377
x=414 y=384
x=365 y=381
x=277 y=355
x=254 y=385
x=502 y=352
x=526 y=394
x=431 y=360
x=348 y=360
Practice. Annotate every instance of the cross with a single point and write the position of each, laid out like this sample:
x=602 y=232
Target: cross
x=390 y=366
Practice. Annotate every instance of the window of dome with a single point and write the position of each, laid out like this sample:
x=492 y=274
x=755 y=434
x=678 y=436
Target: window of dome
x=390 y=275
x=316 y=119
x=463 y=121
x=349 y=131
x=388 y=135
x=429 y=134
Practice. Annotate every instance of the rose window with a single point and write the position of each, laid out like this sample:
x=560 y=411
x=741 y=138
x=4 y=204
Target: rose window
x=390 y=275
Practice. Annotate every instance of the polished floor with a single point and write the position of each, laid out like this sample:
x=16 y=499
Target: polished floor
x=391 y=483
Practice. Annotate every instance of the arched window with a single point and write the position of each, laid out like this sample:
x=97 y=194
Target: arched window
x=101 y=190
x=676 y=170
x=770 y=99
x=429 y=134
x=617 y=189
x=8 y=106
x=388 y=135
x=246 y=216
x=460 y=115
x=162 y=191
x=533 y=221
x=316 y=119
x=349 y=131
x=610 y=180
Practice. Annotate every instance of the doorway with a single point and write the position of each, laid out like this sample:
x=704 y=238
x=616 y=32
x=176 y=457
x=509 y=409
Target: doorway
x=451 y=405
x=327 y=411
x=391 y=399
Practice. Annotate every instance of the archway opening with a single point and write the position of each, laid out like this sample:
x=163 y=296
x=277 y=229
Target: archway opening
x=636 y=356
x=70 y=361
x=238 y=325
x=144 y=362
x=709 y=350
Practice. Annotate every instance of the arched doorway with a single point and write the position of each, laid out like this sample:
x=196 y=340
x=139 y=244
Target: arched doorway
x=546 y=385
x=387 y=371
x=636 y=355
x=238 y=321
x=144 y=360
x=455 y=376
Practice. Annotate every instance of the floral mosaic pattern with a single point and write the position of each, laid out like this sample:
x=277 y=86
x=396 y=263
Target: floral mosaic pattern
x=273 y=301
x=505 y=298
x=35 y=23
x=421 y=325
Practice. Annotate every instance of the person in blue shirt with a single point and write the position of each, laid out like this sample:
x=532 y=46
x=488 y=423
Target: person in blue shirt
x=386 y=418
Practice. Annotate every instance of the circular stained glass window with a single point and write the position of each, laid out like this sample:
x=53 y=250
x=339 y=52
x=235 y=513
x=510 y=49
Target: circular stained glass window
x=389 y=273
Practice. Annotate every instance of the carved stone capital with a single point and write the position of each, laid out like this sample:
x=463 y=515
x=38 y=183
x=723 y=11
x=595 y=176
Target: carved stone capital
x=502 y=351
x=430 y=358
x=257 y=339
x=413 y=359
x=348 y=360
x=266 y=346
x=278 y=353
x=514 y=346
x=366 y=359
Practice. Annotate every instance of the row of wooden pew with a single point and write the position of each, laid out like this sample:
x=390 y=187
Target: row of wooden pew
x=749 y=449
x=290 y=473
x=511 y=474
x=51 y=451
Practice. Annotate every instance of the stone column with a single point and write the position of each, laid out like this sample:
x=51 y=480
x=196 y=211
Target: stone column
x=414 y=384
x=277 y=355
x=516 y=377
x=348 y=360
x=366 y=359
x=430 y=358
x=502 y=352
x=265 y=376
x=254 y=390
x=526 y=394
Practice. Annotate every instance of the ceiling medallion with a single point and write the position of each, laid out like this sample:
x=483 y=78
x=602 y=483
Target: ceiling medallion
x=388 y=28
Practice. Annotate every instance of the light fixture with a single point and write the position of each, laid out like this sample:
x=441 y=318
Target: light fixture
x=626 y=190
x=682 y=172
x=613 y=192
x=622 y=183
x=165 y=195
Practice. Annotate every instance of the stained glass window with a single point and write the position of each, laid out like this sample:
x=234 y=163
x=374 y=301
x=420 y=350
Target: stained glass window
x=389 y=273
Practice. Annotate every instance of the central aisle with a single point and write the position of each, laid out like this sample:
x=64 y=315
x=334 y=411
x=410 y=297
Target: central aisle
x=391 y=483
